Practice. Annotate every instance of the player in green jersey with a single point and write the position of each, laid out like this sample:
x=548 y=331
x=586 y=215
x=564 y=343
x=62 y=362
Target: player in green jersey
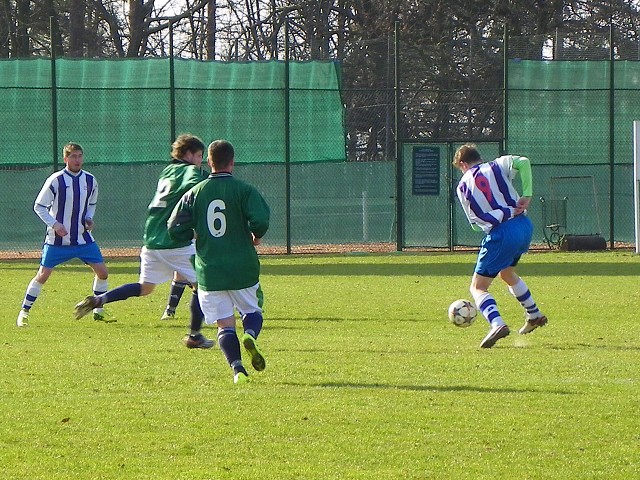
x=162 y=257
x=229 y=217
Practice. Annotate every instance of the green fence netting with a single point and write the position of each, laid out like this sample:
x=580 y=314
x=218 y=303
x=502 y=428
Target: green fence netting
x=559 y=111
x=559 y=114
x=121 y=110
x=574 y=120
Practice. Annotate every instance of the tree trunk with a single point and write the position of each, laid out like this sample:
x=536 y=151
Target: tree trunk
x=5 y=27
x=211 y=30
x=76 y=28
x=138 y=13
x=21 y=41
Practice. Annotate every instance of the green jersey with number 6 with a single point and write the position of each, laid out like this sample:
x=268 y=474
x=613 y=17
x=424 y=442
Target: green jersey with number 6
x=176 y=179
x=223 y=212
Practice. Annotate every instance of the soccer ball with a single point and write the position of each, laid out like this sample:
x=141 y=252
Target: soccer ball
x=462 y=313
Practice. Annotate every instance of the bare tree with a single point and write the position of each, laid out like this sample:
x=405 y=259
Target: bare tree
x=6 y=27
x=211 y=30
x=450 y=53
x=139 y=12
x=21 y=44
x=76 y=28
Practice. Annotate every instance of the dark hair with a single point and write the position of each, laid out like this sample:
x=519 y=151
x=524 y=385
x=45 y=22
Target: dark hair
x=468 y=154
x=221 y=154
x=186 y=143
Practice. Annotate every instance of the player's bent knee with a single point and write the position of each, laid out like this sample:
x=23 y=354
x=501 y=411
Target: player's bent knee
x=229 y=322
x=146 y=289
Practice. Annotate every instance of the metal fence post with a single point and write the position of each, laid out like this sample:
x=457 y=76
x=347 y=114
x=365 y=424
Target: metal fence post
x=54 y=97
x=505 y=89
x=287 y=137
x=611 y=131
x=398 y=145
x=172 y=83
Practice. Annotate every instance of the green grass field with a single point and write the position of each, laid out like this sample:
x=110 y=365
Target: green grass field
x=366 y=379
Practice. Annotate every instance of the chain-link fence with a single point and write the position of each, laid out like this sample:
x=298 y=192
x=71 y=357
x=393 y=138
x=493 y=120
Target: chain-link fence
x=368 y=167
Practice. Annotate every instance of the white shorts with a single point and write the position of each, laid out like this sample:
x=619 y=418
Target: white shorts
x=219 y=305
x=157 y=266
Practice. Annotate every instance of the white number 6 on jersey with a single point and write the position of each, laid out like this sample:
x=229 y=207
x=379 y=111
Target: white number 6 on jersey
x=216 y=221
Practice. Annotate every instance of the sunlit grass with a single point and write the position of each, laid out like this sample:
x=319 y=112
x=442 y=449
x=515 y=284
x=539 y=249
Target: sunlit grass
x=365 y=377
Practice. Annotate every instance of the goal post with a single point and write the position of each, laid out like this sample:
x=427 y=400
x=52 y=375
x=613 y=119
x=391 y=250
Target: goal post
x=636 y=180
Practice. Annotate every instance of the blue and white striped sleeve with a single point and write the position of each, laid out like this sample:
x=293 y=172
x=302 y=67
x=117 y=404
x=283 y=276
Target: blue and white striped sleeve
x=44 y=200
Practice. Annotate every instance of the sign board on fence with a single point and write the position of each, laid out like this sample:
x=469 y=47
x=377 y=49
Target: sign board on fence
x=426 y=170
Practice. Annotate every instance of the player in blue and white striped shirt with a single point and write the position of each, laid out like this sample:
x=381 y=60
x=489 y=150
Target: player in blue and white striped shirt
x=492 y=205
x=66 y=204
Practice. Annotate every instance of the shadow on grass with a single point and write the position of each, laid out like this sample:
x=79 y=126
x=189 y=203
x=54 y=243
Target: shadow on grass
x=452 y=269
x=291 y=323
x=437 y=269
x=320 y=319
x=587 y=346
x=172 y=326
x=115 y=265
x=432 y=388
